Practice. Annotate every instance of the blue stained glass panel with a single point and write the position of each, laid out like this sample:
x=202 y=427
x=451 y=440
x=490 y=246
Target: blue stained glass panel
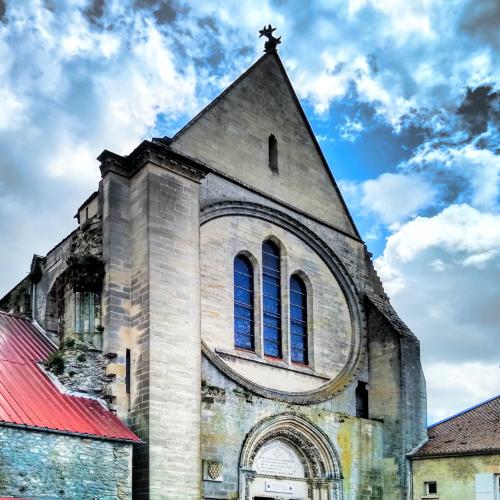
x=297 y=329
x=244 y=336
x=272 y=306
x=242 y=295
x=272 y=349
x=271 y=288
x=298 y=320
x=243 y=312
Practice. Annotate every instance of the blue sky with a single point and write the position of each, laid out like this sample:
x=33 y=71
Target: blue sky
x=403 y=96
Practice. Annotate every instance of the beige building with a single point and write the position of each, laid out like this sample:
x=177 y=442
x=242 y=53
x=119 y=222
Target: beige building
x=461 y=459
x=229 y=311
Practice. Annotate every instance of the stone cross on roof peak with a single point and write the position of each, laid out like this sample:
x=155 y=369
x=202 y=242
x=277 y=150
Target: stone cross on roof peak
x=272 y=42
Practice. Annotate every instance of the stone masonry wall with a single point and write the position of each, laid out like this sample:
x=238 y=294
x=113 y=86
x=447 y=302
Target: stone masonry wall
x=350 y=251
x=229 y=412
x=455 y=476
x=37 y=464
x=151 y=306
x=396 y=383
x=174 y=336
x=397 y=396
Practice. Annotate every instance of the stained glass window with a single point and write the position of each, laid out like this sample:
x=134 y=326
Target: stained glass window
x=298 y=319
x=271 y=299
x=243 y=303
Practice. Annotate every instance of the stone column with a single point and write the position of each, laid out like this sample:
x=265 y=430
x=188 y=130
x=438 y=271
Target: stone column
x=114 y=192
x=152 y=307
x=174 y=332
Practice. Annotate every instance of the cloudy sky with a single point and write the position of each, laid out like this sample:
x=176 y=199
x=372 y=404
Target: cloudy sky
x=403 y=95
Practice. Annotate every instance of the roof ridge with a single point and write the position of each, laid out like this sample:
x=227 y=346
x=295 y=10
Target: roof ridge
x=212 y=103
x=307 y=124
x=464 y=411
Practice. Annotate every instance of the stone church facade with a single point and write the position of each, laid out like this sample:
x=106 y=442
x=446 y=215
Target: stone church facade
x=230 y=314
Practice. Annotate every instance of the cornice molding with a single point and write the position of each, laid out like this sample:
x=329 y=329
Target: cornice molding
x=151 y=153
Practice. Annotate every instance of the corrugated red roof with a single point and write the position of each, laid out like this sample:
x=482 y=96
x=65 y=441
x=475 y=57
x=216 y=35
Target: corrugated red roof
x=473 y=431
x=28 y=397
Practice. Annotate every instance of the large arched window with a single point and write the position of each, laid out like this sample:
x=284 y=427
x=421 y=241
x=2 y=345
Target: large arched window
x=271 y=299
x=298 y=319
x=243 y=303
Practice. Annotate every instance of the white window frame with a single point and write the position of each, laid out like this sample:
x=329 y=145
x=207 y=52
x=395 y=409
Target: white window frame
x=427 y=493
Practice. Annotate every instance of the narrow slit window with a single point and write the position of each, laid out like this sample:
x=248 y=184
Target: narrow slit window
x=298 y=320
x=273 y=153
x=244 y=337
x=271 y=291
x=127 y=371
x=362 y=400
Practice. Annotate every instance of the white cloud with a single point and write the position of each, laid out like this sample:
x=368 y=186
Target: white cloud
x=454 y=387
x=350 y=130
x=105 y=88
x=408 y=59
x=443 y=276
x=458 y=229
x=480 y=260
x=394 y=197
x=70 y=88
x=388 y=200
x=479 y=167
x=11 y=111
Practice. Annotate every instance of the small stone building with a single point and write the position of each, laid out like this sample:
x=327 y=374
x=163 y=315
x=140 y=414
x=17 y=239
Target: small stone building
x=461 y=459
x=226 y=307
x=53 y=443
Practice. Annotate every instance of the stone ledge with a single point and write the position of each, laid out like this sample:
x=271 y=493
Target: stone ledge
x=280 y=364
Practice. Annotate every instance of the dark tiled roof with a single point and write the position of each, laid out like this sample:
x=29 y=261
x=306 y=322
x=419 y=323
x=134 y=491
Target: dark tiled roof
x=30 y=399
x=473 y=431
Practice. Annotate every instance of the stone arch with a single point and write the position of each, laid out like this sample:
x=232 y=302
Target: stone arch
x=322 y=466
x=251 y=257
x=345 y=281
x=310 y=312
x=255 y=265
x=277 y=241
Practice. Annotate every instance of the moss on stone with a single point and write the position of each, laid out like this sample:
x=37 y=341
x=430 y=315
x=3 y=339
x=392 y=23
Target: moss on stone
x=55 y=362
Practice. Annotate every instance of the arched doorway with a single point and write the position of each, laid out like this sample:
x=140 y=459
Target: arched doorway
x=288 y=457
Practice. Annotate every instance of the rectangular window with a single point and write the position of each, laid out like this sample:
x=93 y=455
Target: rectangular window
x=86 y=311
x=430 y=488
x=362 y=400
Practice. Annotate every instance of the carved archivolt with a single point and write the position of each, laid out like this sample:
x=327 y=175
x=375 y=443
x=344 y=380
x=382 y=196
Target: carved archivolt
x=320 y=459
x=358 y=325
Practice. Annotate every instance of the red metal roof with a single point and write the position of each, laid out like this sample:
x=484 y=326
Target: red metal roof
x=28 y=396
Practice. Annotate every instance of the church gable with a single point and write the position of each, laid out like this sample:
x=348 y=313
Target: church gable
x=257 y=133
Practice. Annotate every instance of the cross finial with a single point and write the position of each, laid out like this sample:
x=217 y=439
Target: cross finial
x=271 y=42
